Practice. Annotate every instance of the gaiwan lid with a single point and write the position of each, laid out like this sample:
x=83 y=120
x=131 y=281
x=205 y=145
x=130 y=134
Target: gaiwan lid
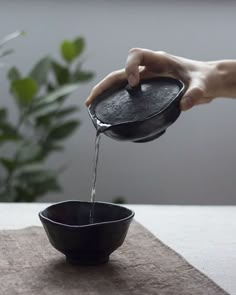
x=127 y=105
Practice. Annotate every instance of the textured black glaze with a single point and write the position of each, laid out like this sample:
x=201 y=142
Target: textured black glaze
x=140 y=114
x=69 y=231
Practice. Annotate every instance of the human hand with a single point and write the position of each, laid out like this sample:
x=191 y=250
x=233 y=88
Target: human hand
x=199 y=77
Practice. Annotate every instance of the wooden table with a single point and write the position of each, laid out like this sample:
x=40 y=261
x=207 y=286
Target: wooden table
x=204 y=235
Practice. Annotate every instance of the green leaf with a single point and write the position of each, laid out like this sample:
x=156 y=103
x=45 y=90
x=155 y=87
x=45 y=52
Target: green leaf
x=11 y=37
x=48 y=147
x=68 y=51
x=64 y=130
x=24 y=89
x=6 y=52
x=50 y=87
x=8 y=137
x=40 y=71
x=13 y=74
x=24 y=193
x=40 y=179
x=31 y=184
x=28 y=153
x=8 y=164
x=60 y=92
x=52 y=146
x=8 y=133
x=82 y=76
x=46 y=118
x=3 y=115
x=67 y=111
x=41 y=107
x=61 y=73
x=79 y=45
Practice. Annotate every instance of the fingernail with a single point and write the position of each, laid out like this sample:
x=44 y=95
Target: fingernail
x=132 y=80
x=186 y=103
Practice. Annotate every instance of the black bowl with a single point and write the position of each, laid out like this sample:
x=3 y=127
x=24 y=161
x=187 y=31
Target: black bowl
x=69 y=230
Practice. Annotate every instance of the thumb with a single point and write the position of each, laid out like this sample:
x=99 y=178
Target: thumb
x=193 y=95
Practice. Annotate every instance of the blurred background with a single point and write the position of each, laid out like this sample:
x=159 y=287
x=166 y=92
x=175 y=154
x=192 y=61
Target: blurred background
x=195 y=161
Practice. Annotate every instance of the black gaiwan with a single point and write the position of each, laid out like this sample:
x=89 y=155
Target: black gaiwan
x=67 y=225
x=138 y=114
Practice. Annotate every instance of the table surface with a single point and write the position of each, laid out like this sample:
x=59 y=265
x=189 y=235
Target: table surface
x=204 y=235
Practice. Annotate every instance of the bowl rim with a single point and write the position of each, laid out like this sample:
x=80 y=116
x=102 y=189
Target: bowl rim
x=41 y=216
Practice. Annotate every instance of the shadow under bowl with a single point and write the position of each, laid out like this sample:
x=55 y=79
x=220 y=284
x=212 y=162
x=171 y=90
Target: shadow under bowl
x=70 y=231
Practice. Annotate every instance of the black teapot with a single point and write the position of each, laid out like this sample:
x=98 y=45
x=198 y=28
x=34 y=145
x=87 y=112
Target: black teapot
x=138 y=114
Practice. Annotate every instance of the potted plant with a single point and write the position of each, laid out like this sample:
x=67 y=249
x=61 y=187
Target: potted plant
x=45 y=118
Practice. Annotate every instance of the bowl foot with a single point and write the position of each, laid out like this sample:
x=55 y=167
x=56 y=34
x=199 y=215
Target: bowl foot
x=89 y=260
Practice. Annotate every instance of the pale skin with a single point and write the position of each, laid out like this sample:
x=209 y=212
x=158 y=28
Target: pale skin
x=205 y=81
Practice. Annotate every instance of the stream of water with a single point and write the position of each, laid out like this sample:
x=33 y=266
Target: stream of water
x=95 y=165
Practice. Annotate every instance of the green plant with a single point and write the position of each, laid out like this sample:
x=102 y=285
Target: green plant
x=45 y=120
x=6 y=39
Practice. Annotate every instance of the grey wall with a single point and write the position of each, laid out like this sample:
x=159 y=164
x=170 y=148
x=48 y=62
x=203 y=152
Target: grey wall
x=195 y=162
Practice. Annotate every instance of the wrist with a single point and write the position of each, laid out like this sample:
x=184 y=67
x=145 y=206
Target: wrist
x=223 y=78
x=214 y=79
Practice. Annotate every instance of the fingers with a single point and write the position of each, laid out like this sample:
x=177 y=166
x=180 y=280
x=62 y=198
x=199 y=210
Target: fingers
x=142 y=57
x=113 y=79
x=195 y=95
x=134 y=60
x=153 y=63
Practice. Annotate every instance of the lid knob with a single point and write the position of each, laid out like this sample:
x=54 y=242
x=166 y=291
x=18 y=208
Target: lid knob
x=133 y=90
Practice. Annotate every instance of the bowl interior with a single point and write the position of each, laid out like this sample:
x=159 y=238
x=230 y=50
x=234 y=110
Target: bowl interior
x=78 y=213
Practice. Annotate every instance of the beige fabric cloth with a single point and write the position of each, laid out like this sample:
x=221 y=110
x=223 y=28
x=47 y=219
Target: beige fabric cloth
x=142 y=265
